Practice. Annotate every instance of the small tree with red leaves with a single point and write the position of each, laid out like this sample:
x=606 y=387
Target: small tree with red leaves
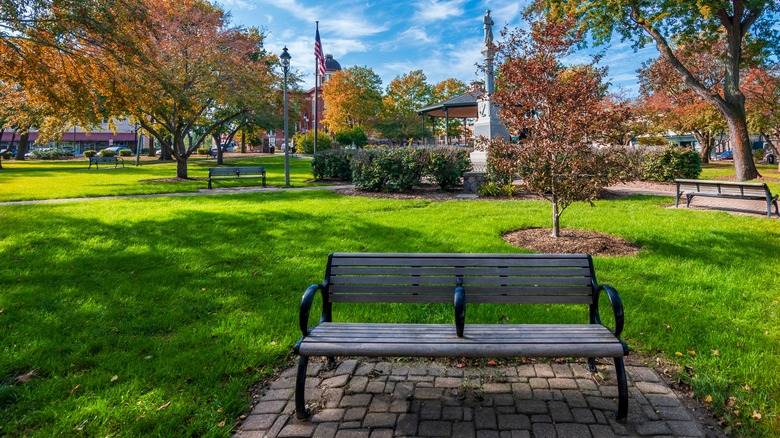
x=557 y=108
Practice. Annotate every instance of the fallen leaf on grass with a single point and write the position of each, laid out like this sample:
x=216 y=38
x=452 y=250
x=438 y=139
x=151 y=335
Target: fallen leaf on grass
x=26 y=377
x=691 y=352
x=756 y=415
x=75 y=388
x=715 y=353
x=221 y=423
x=708 y=399
x=747 y=387
x=677 y=353
x=731 y=402
x=114 y=379
x=165 y=405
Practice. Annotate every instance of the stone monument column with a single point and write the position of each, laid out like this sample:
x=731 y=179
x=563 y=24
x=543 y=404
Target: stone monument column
x=487 y=123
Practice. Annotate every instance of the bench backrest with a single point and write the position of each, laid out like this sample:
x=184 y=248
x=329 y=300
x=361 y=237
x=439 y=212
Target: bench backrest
x=237 y=171
x=102 y=159
x=723 y=188
x=487 y=278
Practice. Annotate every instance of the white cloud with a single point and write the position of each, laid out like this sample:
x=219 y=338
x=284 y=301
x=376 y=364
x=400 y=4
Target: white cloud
x=240 y=4
x=434 y=10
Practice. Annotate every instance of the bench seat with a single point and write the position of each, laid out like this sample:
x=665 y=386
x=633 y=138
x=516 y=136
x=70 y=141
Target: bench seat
x=479 y=340
x=221 y=173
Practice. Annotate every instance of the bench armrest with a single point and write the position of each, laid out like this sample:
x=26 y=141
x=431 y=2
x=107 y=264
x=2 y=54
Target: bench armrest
x=617 y=307
x=460 y=307
x=306 y=303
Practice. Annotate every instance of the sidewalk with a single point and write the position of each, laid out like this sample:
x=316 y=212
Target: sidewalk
x=374 y=398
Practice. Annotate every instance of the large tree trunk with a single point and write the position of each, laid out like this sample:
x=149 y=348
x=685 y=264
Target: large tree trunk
x=705 y=140
x=21 y=150
x=151 y=146
x=181 y=167
x=218 y=142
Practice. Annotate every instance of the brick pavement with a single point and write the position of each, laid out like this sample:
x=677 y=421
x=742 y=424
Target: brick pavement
x=423 y=398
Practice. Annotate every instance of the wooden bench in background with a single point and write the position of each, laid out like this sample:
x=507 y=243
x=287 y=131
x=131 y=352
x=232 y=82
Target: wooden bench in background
x=456 y=279
x=220 y=173
x=724 y=189
x=116 y=161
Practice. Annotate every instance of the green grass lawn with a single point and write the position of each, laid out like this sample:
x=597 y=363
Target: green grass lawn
x=155 y=316
x=28 y=180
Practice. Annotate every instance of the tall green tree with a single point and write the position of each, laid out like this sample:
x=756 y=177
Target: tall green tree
x=404 y=95
x=736 y=24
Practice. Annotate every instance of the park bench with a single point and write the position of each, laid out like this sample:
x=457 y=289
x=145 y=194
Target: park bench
x=219 y=173
x=455 y=279
x=724 y=189
x=97 y=161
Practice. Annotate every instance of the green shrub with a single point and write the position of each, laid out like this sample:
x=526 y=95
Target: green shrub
x=304 y=143
x=89 y=153
x=332 y=164
x=387 y=169
x=46 y=154
x=355 y=136
x=493 y=189
x=758 y=155
x=125 y=152
x=501 y=162
x=203 y=151
x=7 y=156
x=446 y=166
x=671 y=163
x=106 y=153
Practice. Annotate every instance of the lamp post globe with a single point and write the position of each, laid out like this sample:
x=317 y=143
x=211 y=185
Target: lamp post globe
x=285 y=60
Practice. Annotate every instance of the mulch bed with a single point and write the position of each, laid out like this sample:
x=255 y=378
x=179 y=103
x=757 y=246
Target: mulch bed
x=571 y=241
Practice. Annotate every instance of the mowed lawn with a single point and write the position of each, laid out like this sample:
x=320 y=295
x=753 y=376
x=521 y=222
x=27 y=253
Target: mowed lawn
x=41 y=179
x=155 y=316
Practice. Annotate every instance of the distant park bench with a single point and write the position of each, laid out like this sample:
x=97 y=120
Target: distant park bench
x=220 y=173
x=116 y=161
x=723 y=189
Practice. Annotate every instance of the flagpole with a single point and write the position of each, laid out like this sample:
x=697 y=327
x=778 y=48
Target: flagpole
x=316 y=95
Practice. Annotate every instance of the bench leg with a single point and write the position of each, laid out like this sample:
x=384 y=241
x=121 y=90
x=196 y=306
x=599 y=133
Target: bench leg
x=301 y=411
x=620 y=372
x=209 y=182
x=592 y=365
x=331 y=362
x=677 y=200
x=688 y=201
x=777 y=211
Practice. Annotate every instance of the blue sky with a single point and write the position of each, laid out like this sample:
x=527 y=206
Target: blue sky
x=441 y=37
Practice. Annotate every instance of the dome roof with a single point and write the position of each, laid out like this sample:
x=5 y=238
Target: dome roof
x=331 y=64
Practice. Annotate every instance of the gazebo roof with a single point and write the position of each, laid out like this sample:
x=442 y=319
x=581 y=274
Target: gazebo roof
x=463 y=106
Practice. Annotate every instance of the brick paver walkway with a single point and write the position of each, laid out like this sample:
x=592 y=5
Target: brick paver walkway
x=371 y=398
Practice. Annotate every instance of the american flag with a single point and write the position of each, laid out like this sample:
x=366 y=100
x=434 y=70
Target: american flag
x=318 y=53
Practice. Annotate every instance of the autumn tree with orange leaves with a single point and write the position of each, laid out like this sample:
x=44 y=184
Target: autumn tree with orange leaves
x=675 y=105
x=762 y=89
x=353 y=98
x=556 y=108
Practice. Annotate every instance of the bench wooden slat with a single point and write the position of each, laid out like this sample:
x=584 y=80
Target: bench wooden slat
x=454 y=271
x=486 y=299
x=480 y=262
x=448 y=281
x=463 y=350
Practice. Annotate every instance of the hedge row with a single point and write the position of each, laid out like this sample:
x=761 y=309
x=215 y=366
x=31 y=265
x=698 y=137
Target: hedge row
x=393 y=169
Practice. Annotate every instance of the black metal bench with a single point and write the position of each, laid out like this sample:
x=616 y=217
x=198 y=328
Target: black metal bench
x=219 y=173
x=456 y=279
x=97 y=161
x=724 y=189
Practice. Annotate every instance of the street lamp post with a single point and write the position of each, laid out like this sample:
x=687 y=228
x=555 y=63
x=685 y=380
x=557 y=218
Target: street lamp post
x=285 y=58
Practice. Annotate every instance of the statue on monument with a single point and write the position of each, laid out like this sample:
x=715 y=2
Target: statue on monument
x=488 y=28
